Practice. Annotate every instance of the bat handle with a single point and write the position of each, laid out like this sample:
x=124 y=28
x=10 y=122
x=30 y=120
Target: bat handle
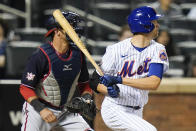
x=99 y=70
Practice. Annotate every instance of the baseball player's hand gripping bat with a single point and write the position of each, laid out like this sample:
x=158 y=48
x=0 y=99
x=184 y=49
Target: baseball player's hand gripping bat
x=73 y=35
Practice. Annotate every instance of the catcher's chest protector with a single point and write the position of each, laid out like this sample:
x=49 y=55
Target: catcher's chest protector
x=59 y=85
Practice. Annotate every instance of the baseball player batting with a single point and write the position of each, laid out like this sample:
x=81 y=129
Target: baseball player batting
x=132 y=67
x=50 y=79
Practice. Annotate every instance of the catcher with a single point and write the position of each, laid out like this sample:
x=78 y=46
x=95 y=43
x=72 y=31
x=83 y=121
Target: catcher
x=49 y=83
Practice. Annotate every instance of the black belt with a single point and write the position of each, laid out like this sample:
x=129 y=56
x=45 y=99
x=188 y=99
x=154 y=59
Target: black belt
x=60 y=108
x=55 y=107
x=134 y=107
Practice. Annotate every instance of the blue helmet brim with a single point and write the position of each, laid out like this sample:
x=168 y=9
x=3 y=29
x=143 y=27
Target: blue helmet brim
x=158 y=16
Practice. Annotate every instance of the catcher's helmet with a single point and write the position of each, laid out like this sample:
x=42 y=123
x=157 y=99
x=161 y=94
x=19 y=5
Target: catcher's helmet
x=140 y=19
x=72 y=18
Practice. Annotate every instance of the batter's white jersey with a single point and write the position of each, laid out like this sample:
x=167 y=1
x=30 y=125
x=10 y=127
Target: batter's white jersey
x=123 y=59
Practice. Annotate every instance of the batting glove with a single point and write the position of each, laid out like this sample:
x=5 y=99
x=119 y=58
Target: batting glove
x=113 y=91
x=108 y=80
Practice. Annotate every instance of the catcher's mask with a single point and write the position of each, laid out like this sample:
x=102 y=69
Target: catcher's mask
x=73 y=18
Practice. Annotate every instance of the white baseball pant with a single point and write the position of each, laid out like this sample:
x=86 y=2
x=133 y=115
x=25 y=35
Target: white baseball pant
x=32 y=121
x=122 y=118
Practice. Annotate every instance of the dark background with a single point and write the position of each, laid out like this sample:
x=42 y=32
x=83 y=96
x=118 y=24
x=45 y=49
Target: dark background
x=10 y=103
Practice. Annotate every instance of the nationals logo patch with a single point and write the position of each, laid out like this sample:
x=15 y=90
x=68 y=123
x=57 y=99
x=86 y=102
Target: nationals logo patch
x=163 y=55
x=30 y=76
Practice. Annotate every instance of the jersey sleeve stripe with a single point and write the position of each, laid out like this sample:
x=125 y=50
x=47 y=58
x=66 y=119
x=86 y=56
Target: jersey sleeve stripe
x=28 y=86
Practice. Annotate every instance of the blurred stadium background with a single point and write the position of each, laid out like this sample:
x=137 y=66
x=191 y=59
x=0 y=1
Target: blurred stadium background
x=171 y=108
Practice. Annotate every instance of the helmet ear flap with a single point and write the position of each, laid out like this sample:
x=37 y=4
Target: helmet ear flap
x=148 y=26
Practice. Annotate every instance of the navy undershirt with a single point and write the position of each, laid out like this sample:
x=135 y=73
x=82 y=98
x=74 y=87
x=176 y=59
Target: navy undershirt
x=154 y=68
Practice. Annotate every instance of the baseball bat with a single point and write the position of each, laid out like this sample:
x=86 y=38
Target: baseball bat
x=73 y=35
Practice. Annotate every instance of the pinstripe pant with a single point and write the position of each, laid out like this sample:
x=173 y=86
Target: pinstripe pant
x=122 y=118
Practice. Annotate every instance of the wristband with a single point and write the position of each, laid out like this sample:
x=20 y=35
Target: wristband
x=37 y=105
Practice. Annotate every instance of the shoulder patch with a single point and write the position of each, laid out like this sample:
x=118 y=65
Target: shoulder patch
x=30 y=76
x=163 y=55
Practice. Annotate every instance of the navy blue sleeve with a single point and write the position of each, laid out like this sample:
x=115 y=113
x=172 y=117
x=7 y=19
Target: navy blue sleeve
x=36 y=68
x=156 y=69
x=84 y=75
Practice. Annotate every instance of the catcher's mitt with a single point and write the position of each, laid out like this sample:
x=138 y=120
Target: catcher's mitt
x=85 y=107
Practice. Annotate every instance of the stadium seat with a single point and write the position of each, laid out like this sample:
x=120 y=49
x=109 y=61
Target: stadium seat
x=10 y=19
x=17 y=53
x=100 y=47
x=183 y=23
x=176 y=67
x=186 y=7
x=31 y=34
x=180 y=34
x=187 y=47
